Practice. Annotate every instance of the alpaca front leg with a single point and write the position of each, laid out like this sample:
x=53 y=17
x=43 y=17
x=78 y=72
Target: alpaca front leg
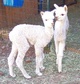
x=11 y=59
x=59 y=62
x=39 y=59
x=41 y=63
x=60 y=55
x=57 y=50
x=38 y=65
x=56 y=46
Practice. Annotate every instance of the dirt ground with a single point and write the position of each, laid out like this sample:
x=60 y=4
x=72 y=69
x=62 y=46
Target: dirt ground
x=71 y=60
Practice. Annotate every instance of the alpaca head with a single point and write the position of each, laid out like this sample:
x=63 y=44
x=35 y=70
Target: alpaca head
x=48 y=18
x=60 y=12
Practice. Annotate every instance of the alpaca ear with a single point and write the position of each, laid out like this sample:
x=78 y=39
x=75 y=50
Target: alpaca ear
x=56 y=6
x=41 y=13
x=65 y=8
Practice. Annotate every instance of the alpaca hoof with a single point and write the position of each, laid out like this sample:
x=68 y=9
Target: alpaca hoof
x=42 y=68
x=27 y=76
x=59 y=71
x=39 y=74
x=13 y=75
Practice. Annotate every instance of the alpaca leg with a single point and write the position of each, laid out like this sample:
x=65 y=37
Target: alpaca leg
x=11 y=59
x=60 y=55
x=64 y=45
x=39 y=60
x=22 y=48
x=41 y=63
x=19 y=62
x=57 y=49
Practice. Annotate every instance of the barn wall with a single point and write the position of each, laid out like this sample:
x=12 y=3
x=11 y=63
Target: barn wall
x=10 y=16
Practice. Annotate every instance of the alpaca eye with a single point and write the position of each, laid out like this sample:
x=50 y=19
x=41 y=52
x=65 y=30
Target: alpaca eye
x=45 y=19
x=62 y=14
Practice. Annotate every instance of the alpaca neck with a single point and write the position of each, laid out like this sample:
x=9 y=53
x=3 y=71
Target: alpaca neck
x=49 y=31
x=59 y=25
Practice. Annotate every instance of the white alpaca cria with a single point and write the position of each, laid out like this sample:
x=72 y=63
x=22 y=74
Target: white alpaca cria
x=24 y=35
x=61 y=27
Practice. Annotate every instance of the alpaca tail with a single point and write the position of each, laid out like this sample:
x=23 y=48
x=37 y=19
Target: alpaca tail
x=11 y=36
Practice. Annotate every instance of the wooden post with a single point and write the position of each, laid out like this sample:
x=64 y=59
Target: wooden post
x=48 y=5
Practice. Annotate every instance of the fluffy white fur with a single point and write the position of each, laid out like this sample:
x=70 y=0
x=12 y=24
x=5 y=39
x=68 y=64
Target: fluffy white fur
x=61 y=27
x=23 y=36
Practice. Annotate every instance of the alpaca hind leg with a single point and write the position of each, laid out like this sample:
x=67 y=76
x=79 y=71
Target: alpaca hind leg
x=11 y=59
x=22 y=48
